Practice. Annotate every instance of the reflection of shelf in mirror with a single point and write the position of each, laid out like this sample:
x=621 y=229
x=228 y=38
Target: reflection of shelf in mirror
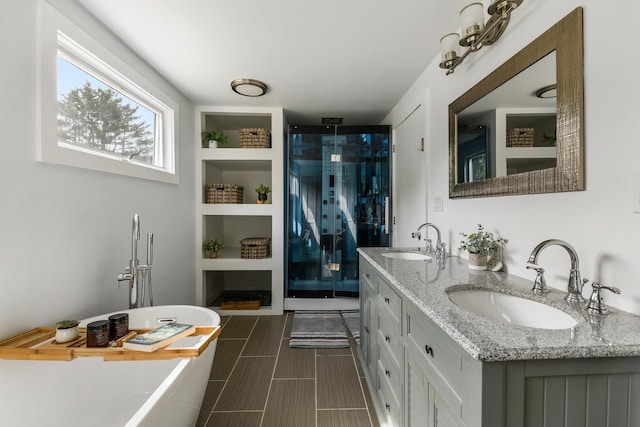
x=530 y=152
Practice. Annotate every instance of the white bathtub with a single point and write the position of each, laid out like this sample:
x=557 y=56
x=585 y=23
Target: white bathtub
x=89 y=391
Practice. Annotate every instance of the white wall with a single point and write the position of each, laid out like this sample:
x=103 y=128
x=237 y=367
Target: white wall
x=598 y=222
x=66 y=232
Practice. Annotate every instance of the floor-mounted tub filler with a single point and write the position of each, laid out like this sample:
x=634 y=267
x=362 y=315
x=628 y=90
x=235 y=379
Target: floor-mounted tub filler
x=91 y=391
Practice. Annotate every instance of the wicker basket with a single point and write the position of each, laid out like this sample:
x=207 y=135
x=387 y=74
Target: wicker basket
x=255 y=138
x=520 y=137
x=224 y=193
x=255 y=247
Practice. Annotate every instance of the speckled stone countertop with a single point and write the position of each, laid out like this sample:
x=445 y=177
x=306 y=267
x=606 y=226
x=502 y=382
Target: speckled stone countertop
x=425 y=284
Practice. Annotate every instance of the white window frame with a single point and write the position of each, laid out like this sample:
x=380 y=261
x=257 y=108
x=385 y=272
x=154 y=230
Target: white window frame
x=58 y=33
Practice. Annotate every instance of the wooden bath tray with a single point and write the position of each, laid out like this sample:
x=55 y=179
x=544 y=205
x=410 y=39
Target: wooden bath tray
x=39 y=344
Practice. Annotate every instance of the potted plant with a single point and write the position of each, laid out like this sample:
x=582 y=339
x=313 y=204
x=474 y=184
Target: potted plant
x=262 y=191
x=480 y=245
x=212 y=247
x=67 y=330
x=213 y=138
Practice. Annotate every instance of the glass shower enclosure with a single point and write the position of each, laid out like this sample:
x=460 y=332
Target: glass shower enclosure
x=338 y=185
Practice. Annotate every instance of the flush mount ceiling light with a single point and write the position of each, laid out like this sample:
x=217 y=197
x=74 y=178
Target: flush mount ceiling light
x=475 y=33
x=550 y=91
x=249 y=87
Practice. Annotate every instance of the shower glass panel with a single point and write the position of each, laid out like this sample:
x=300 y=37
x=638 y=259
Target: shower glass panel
x=338 y=187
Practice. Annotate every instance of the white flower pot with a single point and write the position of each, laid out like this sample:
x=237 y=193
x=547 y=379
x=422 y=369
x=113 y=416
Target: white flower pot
x=477 y=262
x=213 y=144
x=67 y=334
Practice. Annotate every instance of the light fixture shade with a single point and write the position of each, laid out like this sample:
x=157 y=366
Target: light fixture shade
x=249 y=87
x=450 y=46
x=472 y=19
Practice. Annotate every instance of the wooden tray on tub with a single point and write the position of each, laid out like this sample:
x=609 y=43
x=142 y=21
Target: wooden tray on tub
x=39 y=344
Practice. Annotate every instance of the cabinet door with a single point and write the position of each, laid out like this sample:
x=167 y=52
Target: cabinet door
x=417 y=401
x=441 y=416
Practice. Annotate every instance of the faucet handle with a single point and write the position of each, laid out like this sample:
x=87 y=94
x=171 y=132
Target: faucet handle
x=596 y=303
x=428 y=246
x=539 y=284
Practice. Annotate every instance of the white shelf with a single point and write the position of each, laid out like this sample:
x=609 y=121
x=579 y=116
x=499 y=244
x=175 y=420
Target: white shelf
x=237 y=209
x=242 y=155
x=248 y=167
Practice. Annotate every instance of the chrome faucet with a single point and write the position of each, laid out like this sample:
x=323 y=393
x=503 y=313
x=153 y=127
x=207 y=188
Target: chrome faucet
x=138 y=275
x=440 y=246
x=574 y=287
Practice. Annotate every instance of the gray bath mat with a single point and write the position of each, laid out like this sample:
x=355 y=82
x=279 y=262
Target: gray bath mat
x=318 y=329
x=352 y=320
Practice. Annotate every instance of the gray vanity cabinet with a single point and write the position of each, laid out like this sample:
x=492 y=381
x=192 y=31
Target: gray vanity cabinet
x=419 y=375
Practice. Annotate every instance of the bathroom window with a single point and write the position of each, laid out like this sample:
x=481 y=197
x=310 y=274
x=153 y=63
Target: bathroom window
x=97 y=111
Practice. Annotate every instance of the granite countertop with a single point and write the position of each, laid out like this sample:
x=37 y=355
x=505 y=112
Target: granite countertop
x=425 y=284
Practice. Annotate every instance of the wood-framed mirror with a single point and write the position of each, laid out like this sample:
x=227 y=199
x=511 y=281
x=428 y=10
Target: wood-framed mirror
x=499 y=146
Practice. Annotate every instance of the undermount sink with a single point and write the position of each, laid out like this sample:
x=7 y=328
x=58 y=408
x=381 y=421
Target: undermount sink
x=511 y=309
x=406 y=256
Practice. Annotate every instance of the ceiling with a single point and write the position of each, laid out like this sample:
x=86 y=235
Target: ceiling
x=322 y=58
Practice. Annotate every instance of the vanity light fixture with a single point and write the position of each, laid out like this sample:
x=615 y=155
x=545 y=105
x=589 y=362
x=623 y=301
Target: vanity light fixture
x=249 y=87
x=475 y=32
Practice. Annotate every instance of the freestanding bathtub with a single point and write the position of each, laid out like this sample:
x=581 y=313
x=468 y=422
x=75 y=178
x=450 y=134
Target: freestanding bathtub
x=88 y=391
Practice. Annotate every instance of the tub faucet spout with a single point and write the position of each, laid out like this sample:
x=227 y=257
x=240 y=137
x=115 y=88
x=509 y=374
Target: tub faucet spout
x=574 y=286
x=135 y=273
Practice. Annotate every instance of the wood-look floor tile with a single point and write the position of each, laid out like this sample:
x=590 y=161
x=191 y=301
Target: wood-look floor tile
x=210 y=396
x=333 y=351
x=295 y=362
x=372 y=409
x=265 y=337
x=291 y=404
x=287 y=328
x=338 y=383
x=227 y=353
x=248 y=385
x=238 y=327
x=343 y=417
x=235 y=419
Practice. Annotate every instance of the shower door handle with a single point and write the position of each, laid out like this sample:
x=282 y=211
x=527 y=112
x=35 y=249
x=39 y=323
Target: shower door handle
x=386 y=215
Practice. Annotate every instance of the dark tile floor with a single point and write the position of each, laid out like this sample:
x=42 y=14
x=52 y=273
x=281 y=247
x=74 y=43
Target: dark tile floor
x=257 y=380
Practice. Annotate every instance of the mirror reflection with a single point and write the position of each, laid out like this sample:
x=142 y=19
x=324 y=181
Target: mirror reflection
x=512 y=129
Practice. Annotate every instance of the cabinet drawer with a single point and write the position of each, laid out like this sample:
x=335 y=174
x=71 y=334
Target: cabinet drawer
x=390 y=402
x=389 y=337
x=388 y=369
x=439 y=357
x=368 y=277
x=390 y=299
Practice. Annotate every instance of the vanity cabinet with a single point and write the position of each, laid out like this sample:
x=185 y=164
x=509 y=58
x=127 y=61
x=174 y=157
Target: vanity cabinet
x=419 y=375
x=231 y=222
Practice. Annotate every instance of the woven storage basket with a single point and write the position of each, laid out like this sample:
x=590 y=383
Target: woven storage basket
x=255 y=247
x=224 y=193
x=520 y=137
x=255 y=138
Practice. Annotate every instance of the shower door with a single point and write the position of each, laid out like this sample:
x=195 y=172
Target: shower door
x=338 y=192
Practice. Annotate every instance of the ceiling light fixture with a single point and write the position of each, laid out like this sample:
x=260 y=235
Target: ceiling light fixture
x=550 y=91
x=476 y=33
x=249 y=87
